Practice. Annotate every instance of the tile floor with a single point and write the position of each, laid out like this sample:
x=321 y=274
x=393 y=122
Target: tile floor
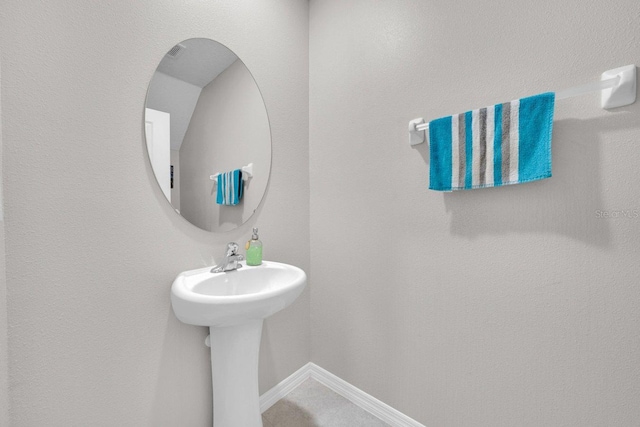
x=313 y=405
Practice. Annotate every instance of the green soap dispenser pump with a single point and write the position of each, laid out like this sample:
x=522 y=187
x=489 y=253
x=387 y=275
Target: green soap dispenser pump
x=254 y=249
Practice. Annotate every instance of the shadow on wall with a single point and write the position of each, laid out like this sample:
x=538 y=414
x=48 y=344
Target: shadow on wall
x=224 y=215
x=183 y=394
x=267 y=368
x=566 y=204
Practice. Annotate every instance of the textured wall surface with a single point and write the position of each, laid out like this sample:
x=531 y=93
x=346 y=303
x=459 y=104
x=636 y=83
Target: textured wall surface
x=92 y=244
x=496 y=307
x=4 y=354
x=4 y=378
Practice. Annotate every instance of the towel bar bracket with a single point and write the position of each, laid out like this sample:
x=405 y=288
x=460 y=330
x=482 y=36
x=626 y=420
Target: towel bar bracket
x=416 y=136
x=624 y=93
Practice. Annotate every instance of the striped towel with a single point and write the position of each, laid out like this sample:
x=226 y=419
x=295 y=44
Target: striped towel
x=230 y=185
x=503 y=144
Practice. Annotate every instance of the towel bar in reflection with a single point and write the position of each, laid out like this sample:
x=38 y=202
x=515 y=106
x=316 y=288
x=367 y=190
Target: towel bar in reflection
x=247 y=172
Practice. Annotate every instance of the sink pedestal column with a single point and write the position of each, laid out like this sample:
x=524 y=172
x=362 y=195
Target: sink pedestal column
x=234 y=371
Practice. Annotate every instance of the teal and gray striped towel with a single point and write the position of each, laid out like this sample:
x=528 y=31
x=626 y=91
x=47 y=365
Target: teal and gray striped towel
x=502 y=144
x=230 y=186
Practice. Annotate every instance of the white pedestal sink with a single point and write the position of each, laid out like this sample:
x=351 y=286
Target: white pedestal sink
x=233 y=305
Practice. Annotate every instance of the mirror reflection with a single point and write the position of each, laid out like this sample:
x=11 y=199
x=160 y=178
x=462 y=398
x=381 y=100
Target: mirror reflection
x=208 y=135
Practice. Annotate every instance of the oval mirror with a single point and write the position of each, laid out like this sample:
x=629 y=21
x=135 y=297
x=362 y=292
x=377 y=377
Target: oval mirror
x=208 y=135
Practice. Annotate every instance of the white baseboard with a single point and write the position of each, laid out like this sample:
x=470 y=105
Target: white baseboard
x=358 y=397
x=284 y=387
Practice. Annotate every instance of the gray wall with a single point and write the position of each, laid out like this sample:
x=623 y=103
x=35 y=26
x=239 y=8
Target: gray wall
x=229 y=129
x=92 y=244
x=496 y=307
x=4 y=354
x=4 y=378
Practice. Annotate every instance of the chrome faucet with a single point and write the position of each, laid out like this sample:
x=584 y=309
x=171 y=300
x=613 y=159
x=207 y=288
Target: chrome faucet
x=231 y=259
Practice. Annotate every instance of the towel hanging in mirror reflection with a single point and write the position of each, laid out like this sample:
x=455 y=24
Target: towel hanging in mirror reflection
x=230 y=186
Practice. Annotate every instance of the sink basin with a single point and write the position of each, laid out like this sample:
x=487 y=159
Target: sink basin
x=202 y=298
x=233 y=305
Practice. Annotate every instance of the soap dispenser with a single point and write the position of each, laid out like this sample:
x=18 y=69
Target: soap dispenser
x=254 y=249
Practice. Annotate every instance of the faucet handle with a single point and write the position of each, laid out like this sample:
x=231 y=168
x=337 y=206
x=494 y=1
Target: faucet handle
x=232 y=249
